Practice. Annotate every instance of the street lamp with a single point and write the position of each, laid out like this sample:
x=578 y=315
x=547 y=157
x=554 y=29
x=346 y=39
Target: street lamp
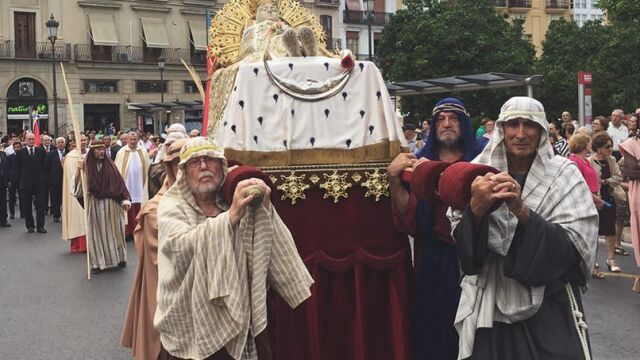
x=161 y=68
x=370 y=17
x=52 y=25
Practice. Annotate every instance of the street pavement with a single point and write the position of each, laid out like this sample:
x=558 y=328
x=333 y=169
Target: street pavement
x=49 y=310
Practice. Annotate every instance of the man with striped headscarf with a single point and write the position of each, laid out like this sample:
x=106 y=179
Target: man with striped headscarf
x=523 y=263
x=215 y=261
x=107 y=201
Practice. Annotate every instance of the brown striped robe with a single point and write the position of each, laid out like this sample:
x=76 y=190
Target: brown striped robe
x=213 y=278
x=105 y=230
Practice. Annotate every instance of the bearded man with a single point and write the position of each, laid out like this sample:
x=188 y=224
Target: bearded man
x=133 y=162
x=216 y=261
x=524 y=263
x=138 y=332
x=107 y=199
x=450 y=140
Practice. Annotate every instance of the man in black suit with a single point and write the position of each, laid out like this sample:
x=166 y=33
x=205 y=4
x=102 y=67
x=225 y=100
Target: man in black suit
x=53 y=170
x=4 y=183
x=31 y=172
x=46 y=144
x=112 y=146
x=13 y=177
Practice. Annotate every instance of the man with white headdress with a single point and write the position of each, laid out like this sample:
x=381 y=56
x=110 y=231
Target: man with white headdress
x=132 y=162
x=524 y=263
x=157 y=170
x=216 y=261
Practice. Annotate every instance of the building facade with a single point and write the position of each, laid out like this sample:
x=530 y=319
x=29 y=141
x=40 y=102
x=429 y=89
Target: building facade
x=110 y=50
x=586 y=10
x=537 y=15
x=361 y=24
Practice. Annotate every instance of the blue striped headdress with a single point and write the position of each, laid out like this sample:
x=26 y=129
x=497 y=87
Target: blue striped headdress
x=450 y=104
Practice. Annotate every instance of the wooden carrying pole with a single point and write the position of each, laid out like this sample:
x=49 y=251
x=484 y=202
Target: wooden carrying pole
x=83 y=178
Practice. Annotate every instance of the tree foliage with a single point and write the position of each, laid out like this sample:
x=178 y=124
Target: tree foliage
x=621 y=10
x=430 y=39
x=567 y=49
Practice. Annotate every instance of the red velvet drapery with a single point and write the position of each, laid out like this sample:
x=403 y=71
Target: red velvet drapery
x=362 y=294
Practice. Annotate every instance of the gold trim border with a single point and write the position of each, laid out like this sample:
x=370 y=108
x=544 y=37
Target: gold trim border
x=380 y=152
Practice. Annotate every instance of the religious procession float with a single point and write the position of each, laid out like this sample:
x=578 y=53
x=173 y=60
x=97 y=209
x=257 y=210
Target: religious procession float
x=321 y=128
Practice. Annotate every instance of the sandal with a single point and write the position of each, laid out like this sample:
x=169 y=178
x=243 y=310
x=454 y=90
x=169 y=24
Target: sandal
x=613 y=266
x=636 y=285
x=621 y=251
x=597 y=275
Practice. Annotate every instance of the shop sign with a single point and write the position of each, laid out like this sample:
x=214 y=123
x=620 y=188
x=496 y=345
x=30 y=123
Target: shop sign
x=24 y=109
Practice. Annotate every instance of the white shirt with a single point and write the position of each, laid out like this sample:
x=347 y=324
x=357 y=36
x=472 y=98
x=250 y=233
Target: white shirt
x=60 y=154
x=618 y=135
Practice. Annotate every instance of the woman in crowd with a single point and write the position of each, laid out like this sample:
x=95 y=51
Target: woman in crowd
x=580 y=147
x=567 y=130
x=609 y=176
x=598 y=125
x=482 y=141
x=632 y=125
x=631 y=155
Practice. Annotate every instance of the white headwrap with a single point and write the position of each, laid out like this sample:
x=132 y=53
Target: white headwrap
x=174 y=132
x=555 y=190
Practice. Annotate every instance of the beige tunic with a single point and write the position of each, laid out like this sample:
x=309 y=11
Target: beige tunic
x=72 y=219
x=138 y=332
x=213 y=279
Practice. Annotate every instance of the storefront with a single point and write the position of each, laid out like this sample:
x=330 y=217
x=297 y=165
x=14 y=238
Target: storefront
x=154 y=117
x=24 y=96
x=100 y=116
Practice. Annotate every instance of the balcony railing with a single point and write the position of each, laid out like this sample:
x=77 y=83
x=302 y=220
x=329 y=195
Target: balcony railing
x=135 y=54
x=558 y=4
x=328 y=3
x=519 y=3
x=360 y=17
x=40 y=50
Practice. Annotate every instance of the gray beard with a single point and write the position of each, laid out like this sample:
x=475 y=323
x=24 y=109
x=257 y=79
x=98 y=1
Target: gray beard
x=451 y=145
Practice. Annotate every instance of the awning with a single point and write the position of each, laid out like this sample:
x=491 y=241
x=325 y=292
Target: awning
x=103 y=30
x=353 y=5
x=493 y=80
x=155 y=33
x=198 y=35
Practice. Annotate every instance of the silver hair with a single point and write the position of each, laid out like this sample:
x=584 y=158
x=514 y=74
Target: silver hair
x=61 y=138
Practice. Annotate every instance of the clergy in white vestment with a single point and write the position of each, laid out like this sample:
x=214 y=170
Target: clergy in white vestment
x=133 y=162
x=73 y=222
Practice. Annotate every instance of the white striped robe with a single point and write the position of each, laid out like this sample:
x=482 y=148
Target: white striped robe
x=212 y=278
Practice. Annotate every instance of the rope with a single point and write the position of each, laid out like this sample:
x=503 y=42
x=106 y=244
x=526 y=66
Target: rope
x=578 y=320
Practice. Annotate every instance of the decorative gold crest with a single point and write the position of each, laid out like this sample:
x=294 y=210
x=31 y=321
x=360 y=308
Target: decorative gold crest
x=376 y=184
x=293 y=187
x=273 y=179
x=314 y=179
x=229 y=23
x=356 y=177
x=336 y=186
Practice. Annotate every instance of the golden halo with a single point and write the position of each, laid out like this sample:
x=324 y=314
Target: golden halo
x=227 y=26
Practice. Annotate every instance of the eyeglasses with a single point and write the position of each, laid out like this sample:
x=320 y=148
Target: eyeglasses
x=608 y=146
x=195 y=162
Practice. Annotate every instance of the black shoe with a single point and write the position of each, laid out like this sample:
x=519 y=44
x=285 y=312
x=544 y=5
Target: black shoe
x=5 y=224
x=122 y=264
x=95 y=271
x=12 y=216
x=56 y=219
x=41 y=230
x=30 y=230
